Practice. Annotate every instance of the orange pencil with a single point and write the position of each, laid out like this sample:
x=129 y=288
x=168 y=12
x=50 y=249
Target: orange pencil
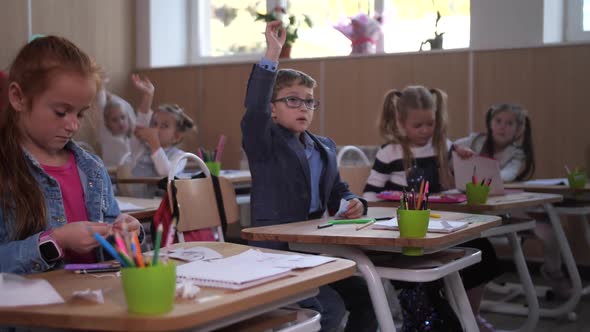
x=420 y=195
x=138 y=251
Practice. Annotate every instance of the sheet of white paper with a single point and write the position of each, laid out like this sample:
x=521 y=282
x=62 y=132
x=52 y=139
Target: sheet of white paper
x=194 y=254
x=485 y=168
x=20 y=291
x=548 y=182
x=125 y=206
x=343 y=208
x=288 y=261
x=436 y=226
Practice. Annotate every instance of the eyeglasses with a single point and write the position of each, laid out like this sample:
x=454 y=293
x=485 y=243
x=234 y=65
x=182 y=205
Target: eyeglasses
x=295 y=102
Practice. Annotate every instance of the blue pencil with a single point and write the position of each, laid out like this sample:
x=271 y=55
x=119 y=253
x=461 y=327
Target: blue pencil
x=105 y=244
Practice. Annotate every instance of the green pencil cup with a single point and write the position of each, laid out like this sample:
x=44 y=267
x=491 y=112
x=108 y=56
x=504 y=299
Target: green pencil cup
x=477 y=193
x=214 y=167
x=150 y=290
x=413 y=224
x=577 y=180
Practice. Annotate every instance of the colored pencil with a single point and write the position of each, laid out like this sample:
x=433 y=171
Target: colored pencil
x=158 y=243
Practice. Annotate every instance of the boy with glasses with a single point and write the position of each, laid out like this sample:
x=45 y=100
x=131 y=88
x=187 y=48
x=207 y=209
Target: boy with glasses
x=294 y=172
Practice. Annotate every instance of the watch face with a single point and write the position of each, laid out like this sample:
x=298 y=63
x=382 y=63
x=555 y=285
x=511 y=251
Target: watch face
x=49 y=251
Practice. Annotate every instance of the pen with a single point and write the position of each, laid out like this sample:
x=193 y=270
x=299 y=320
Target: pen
x=365 y=225
x=88 y=271
x=383 y=218
x=325 y=225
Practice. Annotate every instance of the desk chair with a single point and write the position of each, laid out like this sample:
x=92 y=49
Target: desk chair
x=195 y=200
x=355 y=176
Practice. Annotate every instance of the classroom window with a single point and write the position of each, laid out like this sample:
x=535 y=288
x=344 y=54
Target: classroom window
x=586 y=15
x=232 y=28
x=407 y=24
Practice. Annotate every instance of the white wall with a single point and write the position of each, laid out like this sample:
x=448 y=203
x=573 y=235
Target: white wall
x=553 y=21
x=506 y=23
x=168 y=36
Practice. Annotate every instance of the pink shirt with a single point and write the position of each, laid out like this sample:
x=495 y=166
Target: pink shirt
x=72 y=194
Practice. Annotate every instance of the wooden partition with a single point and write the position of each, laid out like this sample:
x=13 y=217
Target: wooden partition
x=551 y=82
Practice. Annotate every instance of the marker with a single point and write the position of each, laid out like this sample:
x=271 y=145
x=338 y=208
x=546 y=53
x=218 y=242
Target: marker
x=157 y=246
x=325 y=225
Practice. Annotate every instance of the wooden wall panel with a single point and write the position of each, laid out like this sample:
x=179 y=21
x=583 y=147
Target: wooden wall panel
x=221 y=106
x=448 y=72
x=13 y=24
x=551 y=83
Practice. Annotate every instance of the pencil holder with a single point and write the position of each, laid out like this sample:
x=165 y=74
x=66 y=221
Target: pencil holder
x=577 y=180
x=214 y=167
x=477 y=193
x=413 y=224
x=150 y=290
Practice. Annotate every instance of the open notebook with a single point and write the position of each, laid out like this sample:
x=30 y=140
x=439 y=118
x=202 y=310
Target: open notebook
x=435 y=226
x=250 y=268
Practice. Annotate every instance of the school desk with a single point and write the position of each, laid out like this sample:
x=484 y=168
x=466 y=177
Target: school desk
x=519 y=201
x=239 y=178
x=218 y=307
x=147 y=207
x=551 y=189
x=576 y=204
x=345 y=241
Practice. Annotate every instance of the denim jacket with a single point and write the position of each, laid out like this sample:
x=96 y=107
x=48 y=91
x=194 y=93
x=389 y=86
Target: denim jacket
x=23 y=256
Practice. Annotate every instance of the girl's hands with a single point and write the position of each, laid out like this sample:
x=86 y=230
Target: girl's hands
x=150 y=136
x=126 y=221
x=143 y=85
x=275 y=39
x=463 y=152
x=355 y=209
x=79 y=236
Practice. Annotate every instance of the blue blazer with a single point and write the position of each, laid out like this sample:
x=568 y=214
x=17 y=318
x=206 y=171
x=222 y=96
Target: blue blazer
x=281 y=190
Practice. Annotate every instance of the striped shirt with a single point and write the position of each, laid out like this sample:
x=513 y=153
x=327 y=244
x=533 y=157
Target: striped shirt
x=389 y=173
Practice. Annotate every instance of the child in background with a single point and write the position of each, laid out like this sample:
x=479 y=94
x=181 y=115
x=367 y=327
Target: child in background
x=53 y=194
x=294 y=172
x=509 y=140
x=116 y=127
x=157 y=134
x=414 y=123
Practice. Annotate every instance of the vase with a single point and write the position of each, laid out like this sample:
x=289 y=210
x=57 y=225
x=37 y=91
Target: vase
x=286 y=51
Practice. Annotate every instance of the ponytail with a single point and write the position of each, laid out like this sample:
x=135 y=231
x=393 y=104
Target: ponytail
x=527 y=146
x=439 y=137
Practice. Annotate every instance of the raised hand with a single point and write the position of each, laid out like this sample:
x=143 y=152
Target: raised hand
x=143 y=85
x=275 y=39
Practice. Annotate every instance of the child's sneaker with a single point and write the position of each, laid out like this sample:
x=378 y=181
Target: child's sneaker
x=560 y=285
x=484 y=325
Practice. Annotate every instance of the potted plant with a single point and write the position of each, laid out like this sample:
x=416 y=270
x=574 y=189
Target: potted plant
x=436 y=43
x=290 y=24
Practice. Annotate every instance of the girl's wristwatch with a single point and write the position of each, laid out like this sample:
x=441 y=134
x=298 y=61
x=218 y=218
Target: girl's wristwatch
x=48 y=247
